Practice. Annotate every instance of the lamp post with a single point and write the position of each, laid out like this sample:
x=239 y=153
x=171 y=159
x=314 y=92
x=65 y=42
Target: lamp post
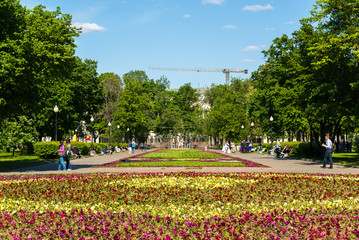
x=271 y=133
x=56 y=110
x=93 y=134
x=252 y=125
x=242 y=130
x=128 y=133
x=109 y=133
x=118 y=132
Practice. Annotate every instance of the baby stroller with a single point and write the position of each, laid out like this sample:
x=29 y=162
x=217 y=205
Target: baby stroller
x=76 y=152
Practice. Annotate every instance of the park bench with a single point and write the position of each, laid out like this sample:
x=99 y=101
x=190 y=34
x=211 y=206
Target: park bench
x=284 y=155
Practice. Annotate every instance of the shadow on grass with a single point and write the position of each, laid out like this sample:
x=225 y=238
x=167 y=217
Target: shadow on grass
x=347 y=160
x=6 y=166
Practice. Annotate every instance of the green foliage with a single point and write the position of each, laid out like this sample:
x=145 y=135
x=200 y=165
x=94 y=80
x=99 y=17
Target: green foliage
x=181 y=154
x=309 y=81
x=38 y=63
x=18 y=132
x=136 y=109
x=47 y=150
x=356 y=143
x=112 y=86
x=229 y=110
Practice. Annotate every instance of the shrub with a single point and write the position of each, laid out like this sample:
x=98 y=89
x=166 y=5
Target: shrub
x=47 y=150
x=304 y=149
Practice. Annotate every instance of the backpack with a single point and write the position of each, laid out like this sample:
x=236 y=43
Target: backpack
x=133 y=144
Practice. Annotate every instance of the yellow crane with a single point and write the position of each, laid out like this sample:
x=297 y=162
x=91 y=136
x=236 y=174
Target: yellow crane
x=223 y=70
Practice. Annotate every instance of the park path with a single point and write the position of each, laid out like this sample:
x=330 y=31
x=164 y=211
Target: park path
x=286 y=165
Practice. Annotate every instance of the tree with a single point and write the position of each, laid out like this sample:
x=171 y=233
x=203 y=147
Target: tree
x=185 y=100
x=229 y=110
x=112 y=86
x=18 y=133
x=309 y=81
x=133 y=105
x=38 y=63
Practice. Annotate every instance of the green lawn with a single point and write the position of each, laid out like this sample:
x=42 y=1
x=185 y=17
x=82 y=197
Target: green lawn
x=181 y=164
x=181 y=154
x=9 y=161
x=346 y=158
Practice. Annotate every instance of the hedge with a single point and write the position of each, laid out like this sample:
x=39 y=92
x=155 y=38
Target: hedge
x=48 y=150
x=299 y=148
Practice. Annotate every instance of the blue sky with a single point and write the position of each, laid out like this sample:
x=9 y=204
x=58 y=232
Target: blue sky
x=125 y=35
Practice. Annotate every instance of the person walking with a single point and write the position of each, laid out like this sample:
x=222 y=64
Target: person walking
x=259 y=148
x=129 y=148
x=277 y=148
x=68 y=154
x=328 y=152
x=133 y=146
x=62 y=154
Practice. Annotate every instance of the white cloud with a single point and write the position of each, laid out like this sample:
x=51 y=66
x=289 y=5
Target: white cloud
x=257 y=8
x=269 y=29
x=88 y=27
x=251 y=48
x=187 y=16
x=216 y=2
x=230 y=26
x=290 y=22
x=249 y=60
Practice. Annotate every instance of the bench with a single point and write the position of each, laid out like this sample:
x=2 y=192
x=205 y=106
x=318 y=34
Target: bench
x=262 y=151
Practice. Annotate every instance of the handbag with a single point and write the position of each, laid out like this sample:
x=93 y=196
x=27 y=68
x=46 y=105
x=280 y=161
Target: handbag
x=62 y=154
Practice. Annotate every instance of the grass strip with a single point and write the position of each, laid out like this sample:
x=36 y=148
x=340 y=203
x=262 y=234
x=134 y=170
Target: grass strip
x=180 y=154
x=7 y=161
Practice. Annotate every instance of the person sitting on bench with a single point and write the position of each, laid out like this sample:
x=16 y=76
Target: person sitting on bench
x=286 y=151
x=277 y=148
x=109 y=149
x=102 y=151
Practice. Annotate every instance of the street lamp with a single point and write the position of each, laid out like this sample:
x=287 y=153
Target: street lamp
x=128 y=133
x=242 y=130
x=271 y=133
x=118 y=131
x=56 y=110
x=109 y=133
x=252 y=125
x=93 y=134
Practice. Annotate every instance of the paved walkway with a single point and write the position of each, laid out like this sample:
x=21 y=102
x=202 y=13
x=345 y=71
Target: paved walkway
x=85 y=165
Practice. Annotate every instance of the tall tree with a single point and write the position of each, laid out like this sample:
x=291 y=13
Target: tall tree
x=133 y=105
x=38 y=63
x=229 y=110
x=309 y=81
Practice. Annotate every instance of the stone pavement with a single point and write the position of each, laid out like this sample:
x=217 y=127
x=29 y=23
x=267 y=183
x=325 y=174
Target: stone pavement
x=85 y=165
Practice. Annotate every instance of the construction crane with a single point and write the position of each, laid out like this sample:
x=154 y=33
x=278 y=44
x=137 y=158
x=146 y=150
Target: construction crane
x=223 y=70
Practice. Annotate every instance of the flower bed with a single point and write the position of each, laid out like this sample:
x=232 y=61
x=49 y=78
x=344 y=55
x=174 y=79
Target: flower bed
x=222 y=160
x=180 y=205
